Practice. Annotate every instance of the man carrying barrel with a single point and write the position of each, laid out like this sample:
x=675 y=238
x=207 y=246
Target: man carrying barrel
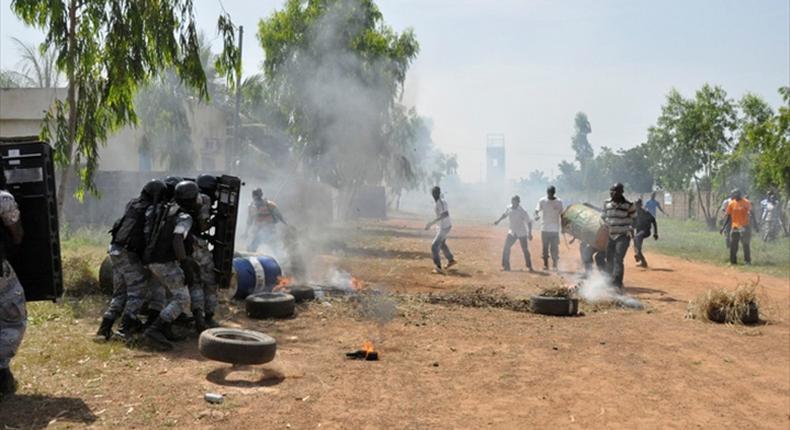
x=618 y=215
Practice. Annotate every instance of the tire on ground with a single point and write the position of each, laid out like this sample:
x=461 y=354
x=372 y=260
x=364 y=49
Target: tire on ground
x=557 y=306
x=105 y=276
x=752 y=315
x=270 y=305
x=302 y=293
x=237 y=346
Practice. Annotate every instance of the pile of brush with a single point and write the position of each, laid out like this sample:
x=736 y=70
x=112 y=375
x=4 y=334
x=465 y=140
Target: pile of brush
x=558 y=291
x=731 y=307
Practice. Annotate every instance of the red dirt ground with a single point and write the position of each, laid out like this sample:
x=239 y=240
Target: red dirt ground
x=446 y=366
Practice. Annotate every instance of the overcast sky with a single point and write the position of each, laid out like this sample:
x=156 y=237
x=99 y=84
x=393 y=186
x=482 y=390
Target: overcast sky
x=524 y=68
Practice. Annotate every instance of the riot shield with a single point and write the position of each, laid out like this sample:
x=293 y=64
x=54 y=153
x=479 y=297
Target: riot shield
x=30 y=175
x=226 y=213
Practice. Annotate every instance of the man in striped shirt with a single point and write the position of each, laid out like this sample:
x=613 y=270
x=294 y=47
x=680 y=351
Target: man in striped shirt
x=618 y=214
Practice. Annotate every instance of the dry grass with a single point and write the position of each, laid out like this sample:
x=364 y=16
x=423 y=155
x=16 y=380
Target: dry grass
x=80 y=276
x=557 y=291
x=732 y=305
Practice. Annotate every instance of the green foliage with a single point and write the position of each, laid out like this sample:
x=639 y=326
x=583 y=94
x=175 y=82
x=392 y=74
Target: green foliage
x=335 y=70
x=107 y=49
x=581 y=146
x=38 y=68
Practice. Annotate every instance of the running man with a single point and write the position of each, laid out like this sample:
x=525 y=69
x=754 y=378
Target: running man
x=520 y=230
x=443 y=230
x=642 y=224
x=652 y=205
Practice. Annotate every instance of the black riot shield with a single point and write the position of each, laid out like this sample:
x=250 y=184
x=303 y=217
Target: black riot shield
x=226 y=213
x=30 y=175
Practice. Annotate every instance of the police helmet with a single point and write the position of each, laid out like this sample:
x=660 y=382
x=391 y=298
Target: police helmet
x=154 y=190
x=617 y=188
x=185 y=194
x=171 y=182
x=207 y=184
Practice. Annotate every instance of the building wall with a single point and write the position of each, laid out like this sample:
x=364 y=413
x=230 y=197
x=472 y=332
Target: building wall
x=22 y=110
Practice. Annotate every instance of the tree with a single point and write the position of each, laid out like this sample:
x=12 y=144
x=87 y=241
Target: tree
x=764 y=142
x=38 y=68
x=691 y=139
x=581 y=146
x=335 y=72
x=107 y=49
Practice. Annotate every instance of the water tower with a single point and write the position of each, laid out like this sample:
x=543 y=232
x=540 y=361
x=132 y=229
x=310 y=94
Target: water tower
x=495 y=158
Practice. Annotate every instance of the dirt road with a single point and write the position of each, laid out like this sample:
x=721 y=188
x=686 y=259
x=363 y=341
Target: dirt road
x=445 y=366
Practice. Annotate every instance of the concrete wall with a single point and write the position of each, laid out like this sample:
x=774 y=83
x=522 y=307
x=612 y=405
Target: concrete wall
x=22 y=110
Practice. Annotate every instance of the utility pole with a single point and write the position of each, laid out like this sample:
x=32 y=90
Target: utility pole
x=237 y=122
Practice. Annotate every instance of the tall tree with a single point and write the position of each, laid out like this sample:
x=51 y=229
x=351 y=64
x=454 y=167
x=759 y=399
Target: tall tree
x=691 y=140
x=107 y=49
x=37 y=67
x=581 y=146
x=336 y=71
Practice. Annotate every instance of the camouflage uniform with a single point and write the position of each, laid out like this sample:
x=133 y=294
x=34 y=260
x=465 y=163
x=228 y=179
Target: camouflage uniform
x=13 y=315
x=204 y=293
x=129 y=286
x=171 y=276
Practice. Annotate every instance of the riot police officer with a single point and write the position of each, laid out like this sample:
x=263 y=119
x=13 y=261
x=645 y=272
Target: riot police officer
x=126 y=248
x=13 y=315
x=168 y=255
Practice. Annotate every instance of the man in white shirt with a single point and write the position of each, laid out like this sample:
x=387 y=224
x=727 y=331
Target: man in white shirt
x=549 y=209
x=444 y=226
x=520 y=229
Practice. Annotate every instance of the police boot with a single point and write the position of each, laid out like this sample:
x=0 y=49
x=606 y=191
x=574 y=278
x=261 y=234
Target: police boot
x=155 y=334
x=167 y=330
x=200 y=321
x=7 y=383
x=129 y=325
x=151 y=316
x=105 y=329
x=210 y=322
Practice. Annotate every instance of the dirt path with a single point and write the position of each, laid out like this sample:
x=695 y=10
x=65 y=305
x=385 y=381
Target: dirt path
x=456 y=367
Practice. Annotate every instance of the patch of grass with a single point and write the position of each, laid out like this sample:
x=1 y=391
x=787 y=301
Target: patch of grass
x=691 y=239
x=83 y=237
x=80 y=274
x=557 y=291
x=732 y=305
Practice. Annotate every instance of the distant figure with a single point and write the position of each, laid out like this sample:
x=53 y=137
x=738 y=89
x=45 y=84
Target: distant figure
x=440 y=241
x=653 y=204
x=739 y=218
x=550 y=209
x=262 y=216
x=642 y=225
x=771 y=217
x=520 y=230
x=618 y=215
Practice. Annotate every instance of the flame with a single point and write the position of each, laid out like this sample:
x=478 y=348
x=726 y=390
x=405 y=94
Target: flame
x=282 y=282
x=367 y=346
x=357 y=284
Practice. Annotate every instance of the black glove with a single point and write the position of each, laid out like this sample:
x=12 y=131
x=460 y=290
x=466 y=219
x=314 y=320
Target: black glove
x=191 y=271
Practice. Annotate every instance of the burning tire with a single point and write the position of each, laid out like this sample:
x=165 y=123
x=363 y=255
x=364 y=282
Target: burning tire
x=557 y=306
x=302 y=293
x=105 y=276
x=270 y=305
x=237 y=346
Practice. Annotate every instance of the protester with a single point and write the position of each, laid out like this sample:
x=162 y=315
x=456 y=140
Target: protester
x=642 y=225
x=654 y=205
x=548 y=210
x=444 y=226
x=771 y=217
x=262 y=217
x=725 y=225
x=739 y=218
x=618 y=215
x=520 y=230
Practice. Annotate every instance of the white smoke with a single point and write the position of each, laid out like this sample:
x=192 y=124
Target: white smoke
x=598 y=288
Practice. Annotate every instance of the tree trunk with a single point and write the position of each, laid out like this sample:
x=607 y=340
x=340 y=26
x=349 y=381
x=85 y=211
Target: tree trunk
x=710 y=221
x=72 y=106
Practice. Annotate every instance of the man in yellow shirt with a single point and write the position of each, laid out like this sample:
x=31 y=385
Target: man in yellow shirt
x=739 y=217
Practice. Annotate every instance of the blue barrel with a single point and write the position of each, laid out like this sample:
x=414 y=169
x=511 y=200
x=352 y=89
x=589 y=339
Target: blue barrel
x=261 y=272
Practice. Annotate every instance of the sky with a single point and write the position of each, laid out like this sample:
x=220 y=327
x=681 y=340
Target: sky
x=524 y=68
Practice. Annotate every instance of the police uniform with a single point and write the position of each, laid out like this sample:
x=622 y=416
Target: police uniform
x=13 y=315
x=203 y=293
x=164 y=265
x=128 y=274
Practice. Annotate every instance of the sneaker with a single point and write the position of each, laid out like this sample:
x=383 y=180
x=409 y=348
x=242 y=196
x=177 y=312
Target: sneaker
x=545 y=268
x=450 y=264
x=438 y=271
x=531 y=270
x=748 y=263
